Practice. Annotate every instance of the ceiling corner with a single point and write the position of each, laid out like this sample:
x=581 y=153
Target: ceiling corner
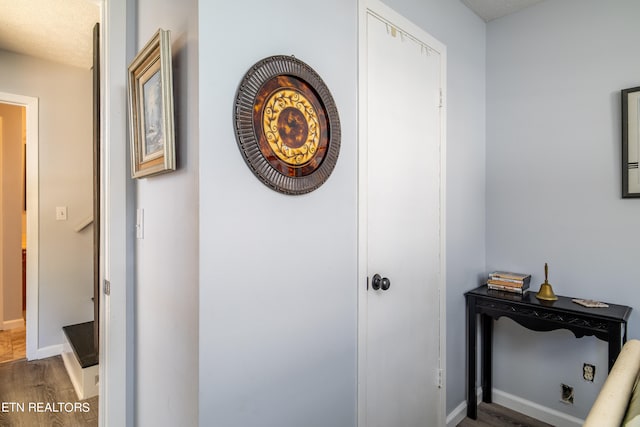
x=489 y=10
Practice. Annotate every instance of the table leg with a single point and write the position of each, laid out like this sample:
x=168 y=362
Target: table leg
x=615 y=343
x=487 y=340
x=472 y=404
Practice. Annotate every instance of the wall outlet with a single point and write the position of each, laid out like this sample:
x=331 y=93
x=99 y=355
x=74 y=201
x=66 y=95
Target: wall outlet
x=567 y=394
x=588 y=372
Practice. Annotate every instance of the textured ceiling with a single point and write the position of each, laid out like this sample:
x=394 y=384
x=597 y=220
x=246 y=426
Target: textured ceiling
x=61 y=30
x=494 y=9
x=56 y=30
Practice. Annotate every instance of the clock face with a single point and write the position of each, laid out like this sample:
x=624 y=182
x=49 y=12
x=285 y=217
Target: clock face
x=291 y=126
x=287 y=125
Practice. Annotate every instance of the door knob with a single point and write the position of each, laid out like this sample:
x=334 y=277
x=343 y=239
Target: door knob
x=379 y=282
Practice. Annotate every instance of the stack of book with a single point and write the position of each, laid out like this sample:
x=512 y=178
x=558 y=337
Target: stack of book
x=509 y=282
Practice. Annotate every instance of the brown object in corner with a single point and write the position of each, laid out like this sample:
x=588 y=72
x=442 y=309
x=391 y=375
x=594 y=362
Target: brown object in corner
x=24 y=280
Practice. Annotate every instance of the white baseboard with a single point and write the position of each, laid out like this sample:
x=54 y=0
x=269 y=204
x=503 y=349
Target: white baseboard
x=52 y=350
x=532 y=409
x=518 y=404
x=457 y=415
x=12 y=324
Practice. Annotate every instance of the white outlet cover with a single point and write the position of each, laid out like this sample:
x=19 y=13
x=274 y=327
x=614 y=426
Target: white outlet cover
x=588 y=372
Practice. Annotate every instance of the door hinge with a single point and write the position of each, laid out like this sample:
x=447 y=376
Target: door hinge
x=439 y=378
x=107 y=287
x=440 y=104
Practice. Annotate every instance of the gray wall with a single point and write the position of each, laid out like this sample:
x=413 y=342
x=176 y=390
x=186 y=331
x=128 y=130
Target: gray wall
x=278 y=308
x=65 y=142
x=554 y=75
x=166 y=276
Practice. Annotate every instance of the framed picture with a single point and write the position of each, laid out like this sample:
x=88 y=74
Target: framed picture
x=630 y=142
x=151 y=108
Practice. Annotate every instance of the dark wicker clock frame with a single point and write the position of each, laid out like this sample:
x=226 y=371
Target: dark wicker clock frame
x=263 y=79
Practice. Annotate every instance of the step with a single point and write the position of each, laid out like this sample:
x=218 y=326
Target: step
x=80 y=337
x=80 y=359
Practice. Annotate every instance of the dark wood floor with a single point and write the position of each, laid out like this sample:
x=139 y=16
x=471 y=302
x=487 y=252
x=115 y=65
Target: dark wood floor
x=39 y=393
x=492 y=415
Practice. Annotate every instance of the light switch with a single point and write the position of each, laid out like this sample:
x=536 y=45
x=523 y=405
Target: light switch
x=140 y=223
x=61 y=213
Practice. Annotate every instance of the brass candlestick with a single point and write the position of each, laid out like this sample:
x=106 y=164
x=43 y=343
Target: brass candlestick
x=546 y=291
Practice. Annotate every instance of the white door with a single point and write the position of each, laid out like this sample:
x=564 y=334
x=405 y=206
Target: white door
x=401 y=225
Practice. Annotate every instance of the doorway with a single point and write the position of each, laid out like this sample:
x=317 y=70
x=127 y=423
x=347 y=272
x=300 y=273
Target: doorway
x=401 y=302
x=30 y=106
x=12 y=232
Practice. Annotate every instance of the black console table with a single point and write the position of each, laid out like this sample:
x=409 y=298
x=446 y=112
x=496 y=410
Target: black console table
x=608 y=324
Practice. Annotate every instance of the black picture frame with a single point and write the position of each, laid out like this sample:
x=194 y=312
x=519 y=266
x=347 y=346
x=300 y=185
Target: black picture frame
x=630 y=142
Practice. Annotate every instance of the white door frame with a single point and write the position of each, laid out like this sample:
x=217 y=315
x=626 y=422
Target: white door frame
x=116 y=310
x=31 y=105
x=387 y=14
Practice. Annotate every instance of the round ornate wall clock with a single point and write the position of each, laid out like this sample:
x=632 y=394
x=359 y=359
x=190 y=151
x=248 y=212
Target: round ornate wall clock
x=287 y=125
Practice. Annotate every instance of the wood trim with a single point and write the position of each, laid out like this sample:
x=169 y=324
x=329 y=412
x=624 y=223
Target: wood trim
x=96 y=187
x=12 y=324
